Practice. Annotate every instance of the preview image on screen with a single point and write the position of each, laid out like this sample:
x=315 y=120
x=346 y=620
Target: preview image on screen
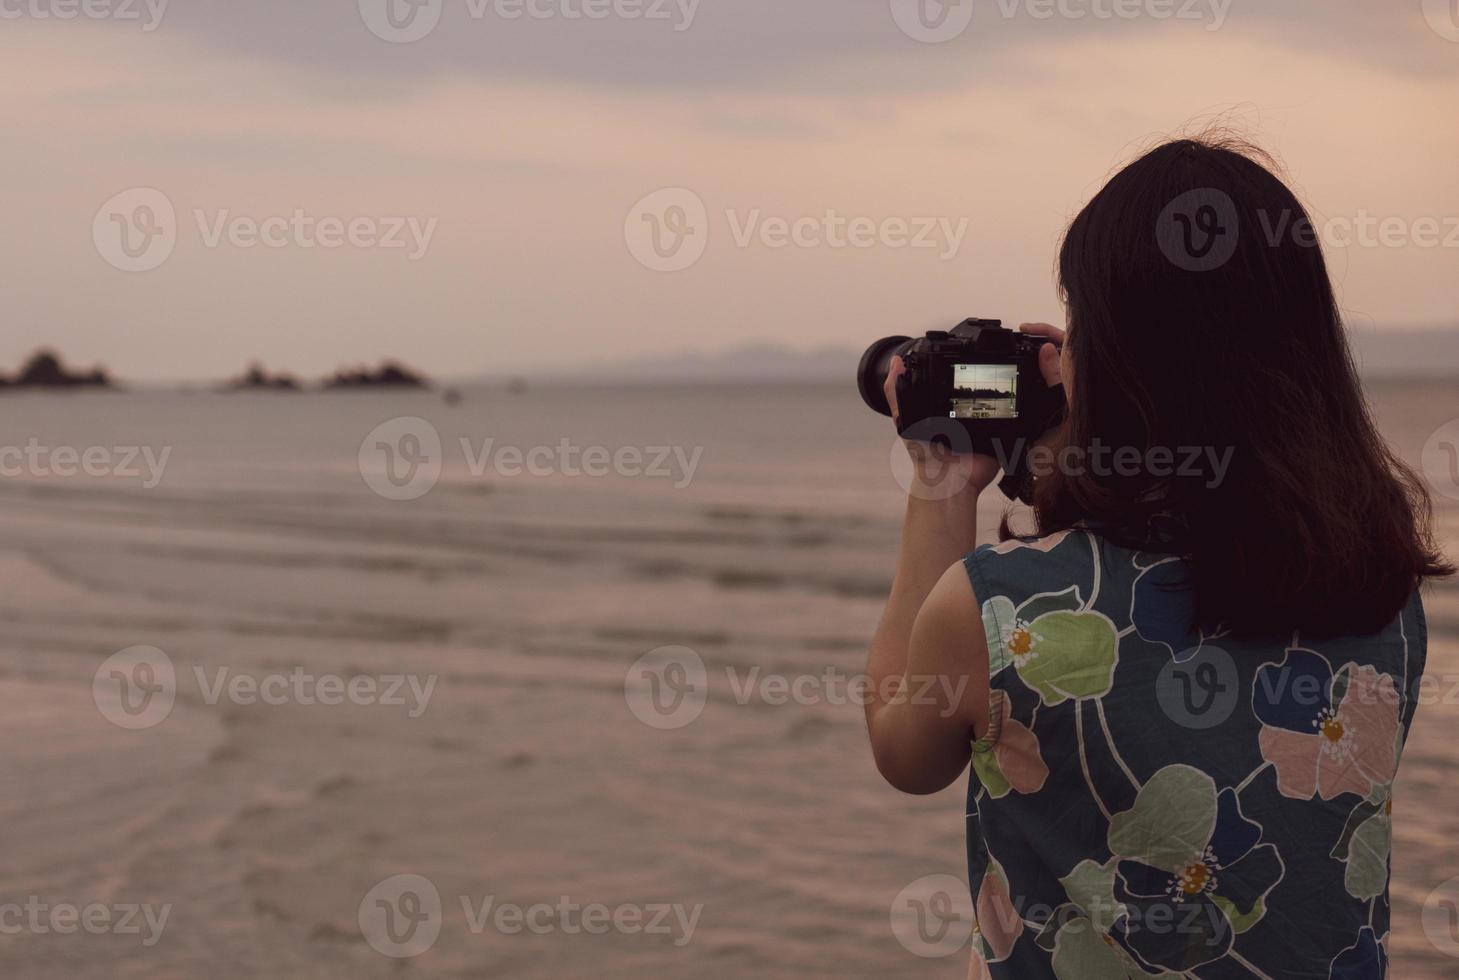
x=984 y=391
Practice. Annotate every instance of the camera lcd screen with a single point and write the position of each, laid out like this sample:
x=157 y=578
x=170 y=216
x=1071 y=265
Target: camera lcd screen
x=984 y=391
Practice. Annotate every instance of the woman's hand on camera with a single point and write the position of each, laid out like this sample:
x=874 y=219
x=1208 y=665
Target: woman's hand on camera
x=940 y=473
x=1051 y=365
x=1050 y=360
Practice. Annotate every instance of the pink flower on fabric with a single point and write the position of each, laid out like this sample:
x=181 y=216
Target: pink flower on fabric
x=998 y=922
x=1013 y=762
x=1326 y=734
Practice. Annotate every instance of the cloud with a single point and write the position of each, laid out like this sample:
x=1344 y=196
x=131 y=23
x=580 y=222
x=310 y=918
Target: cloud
x=821 y=47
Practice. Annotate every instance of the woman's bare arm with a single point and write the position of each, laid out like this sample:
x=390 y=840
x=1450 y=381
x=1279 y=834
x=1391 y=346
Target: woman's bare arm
x=929 y=659
x=928 y=666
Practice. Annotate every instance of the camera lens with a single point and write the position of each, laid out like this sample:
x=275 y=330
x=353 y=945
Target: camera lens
x=876 y=364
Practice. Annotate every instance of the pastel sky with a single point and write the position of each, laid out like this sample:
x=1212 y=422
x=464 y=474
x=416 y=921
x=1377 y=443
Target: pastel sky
x=524 y=144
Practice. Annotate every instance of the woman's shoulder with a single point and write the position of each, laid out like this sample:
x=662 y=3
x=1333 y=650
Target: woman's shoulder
x=1082 y=572
x=1067 y=556
x=1068 y=565
x=1142 y=589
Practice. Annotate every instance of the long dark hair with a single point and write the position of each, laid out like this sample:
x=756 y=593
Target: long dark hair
x=1202 y=317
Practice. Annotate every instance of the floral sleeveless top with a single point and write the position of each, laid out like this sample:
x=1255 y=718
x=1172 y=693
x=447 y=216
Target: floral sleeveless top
x=1156 y=802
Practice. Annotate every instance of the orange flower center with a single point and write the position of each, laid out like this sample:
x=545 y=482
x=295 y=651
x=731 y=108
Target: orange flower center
x=1193 y=880
x=1020 y=642
x=1333 y=729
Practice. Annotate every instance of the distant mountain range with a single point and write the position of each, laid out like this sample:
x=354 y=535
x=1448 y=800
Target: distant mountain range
x=1406 y=353
x=1380 y=354
x=754 y=363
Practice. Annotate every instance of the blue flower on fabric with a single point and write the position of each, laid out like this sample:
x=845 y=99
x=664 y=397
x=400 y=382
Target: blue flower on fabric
x=1162 y=608
x=1363 y=960
x=1192 y=870
x=1291 y=694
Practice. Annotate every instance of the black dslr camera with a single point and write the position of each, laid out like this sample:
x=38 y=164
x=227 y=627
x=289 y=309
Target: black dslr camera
x=975 y=388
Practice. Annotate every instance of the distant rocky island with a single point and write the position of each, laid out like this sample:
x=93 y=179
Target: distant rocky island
x=258 y=379
x=45 y=370
x=390 y=374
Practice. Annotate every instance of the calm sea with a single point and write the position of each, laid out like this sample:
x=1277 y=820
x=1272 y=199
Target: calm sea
x=242 y=537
